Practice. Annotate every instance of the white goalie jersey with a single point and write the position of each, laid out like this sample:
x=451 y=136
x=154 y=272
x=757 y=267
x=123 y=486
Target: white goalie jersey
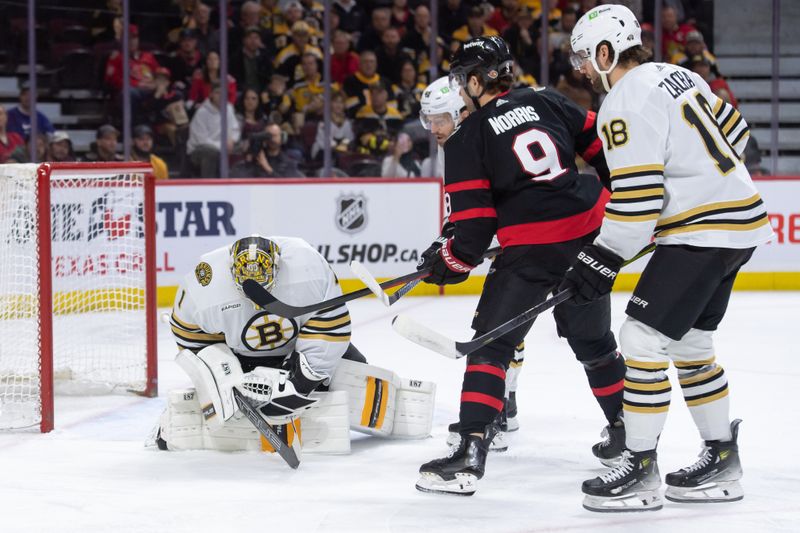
x=209 y=308
x=674 y=151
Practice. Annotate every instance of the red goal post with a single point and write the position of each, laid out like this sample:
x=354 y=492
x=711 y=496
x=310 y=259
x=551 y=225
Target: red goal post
x=77 y=285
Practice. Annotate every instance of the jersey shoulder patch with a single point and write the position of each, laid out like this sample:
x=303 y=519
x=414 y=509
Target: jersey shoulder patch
x=203 y=273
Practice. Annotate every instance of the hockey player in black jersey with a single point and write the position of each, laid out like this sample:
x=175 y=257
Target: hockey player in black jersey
x=510 y=169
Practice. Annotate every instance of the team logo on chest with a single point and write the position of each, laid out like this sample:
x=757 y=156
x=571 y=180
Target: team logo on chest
x=266 y=332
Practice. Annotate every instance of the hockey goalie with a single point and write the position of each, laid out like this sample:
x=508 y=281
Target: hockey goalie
x=308 y=381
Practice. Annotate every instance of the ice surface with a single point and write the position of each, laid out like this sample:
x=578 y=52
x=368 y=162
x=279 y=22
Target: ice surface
x=92 y=474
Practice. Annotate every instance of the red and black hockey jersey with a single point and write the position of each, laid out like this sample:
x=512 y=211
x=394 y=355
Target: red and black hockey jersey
x=510 y=169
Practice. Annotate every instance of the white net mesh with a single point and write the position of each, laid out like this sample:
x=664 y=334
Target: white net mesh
x=98 y=278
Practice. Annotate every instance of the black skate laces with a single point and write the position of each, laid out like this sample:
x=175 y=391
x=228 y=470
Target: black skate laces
x=624 y=468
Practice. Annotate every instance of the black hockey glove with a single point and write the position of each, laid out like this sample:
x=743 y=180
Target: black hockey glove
x=445 y=267
x=592 y=275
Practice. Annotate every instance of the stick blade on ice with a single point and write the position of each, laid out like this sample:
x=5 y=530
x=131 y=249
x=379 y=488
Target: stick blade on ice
x=367 y=279
x=425 y=336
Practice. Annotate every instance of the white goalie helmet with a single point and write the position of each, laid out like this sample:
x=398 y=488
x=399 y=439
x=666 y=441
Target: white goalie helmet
x=613 y=23
x=438 y=99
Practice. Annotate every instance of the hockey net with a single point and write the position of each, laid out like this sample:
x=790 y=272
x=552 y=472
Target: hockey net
x=77 y=285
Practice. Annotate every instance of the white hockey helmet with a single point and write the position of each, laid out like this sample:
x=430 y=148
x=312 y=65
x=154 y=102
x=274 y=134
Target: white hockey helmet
x=613 y=23
x=439 y=98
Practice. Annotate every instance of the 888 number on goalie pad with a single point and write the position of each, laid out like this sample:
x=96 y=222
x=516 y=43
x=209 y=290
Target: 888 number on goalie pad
x=266 y=332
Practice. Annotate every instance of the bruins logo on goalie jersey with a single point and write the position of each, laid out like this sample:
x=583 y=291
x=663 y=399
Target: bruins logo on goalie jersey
x=268 y=332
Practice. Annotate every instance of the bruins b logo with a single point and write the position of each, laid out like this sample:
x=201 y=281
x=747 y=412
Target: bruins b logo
x=266 y=332
x=203 y=274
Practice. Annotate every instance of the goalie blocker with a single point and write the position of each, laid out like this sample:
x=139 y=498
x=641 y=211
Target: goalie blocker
x=362 y=397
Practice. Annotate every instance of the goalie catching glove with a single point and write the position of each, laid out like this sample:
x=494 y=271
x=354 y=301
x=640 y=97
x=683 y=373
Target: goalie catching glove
x=446 y=268
x=283 y=393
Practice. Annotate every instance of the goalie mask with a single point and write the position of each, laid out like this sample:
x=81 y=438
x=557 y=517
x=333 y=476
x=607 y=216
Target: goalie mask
x=255 y=258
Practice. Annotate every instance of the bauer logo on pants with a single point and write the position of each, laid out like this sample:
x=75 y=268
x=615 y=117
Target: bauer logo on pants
x=351 y=213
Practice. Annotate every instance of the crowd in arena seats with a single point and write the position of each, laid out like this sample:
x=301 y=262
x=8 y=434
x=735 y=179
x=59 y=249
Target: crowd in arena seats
x=379 y=68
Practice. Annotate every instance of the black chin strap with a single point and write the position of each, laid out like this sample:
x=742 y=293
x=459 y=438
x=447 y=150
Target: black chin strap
x=475 y=99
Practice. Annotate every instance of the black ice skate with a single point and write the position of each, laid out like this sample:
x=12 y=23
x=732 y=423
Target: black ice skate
x=498 y=444
x=610 y=448
x=630 y=486
x=512 y=424
x=713 y=478
x=459 y=472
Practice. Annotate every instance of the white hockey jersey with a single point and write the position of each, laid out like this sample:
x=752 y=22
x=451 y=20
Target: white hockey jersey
x=209 y=308
x=674 y=151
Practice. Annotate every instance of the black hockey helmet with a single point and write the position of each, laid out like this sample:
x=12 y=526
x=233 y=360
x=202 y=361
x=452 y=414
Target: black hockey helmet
x=488 y=57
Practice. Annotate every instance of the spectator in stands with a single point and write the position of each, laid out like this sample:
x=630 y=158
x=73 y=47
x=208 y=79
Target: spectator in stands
x=351 y=15
x=401 y=16
x=276 y=101
x=578 y=88
x=380 y=20
x=522 y=39
x=205 y=134
x=418 y=37
x=313 y=9
x=142 y=73
x=475 y=27
x=673 y=32
x=266 y=157
x=19 y=118
x=249 y=18
x=503 y=15
x=166 y=109
x=344 y=62
x=142 y=150
x=452 y=15
x=307 y=94
x=287 y=62
x=695 y=46
x=424 y=64
x=356 y=87
x=104 y=148
x=207 y=36
x=61 y=148
x=377 y=122
x=402 y=162
x=185 y=60
x=205 y=77
x=701 y=65
x=251 y=65
x=560 y=38
x=752 y=158
x=292 y=14
x=104 y=23
x=9 y=140
x=341 y=134
x=22 y=153
x=408 y=91
x=250 y=114
x=390 y=56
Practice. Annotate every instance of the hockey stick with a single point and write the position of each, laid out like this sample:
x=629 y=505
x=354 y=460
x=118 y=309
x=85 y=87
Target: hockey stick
x=433 y=340
x=268 y=302
x=286 y=452
x=369 y=280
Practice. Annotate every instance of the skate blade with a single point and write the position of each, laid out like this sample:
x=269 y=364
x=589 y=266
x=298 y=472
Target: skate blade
x=636 y=502
x=498 y=444
x=463 y=484
x=719 y=492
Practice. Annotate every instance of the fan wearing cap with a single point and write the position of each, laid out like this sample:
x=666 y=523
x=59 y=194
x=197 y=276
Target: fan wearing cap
x=288 y=60
x=186 y=59
x=104 y=148
x=142 y=150
x=475 y=27
x=285 y=365
x=695 y=46
x=19 y=118
x=674 y=150
x=251 y=65
x=510 y=169
x=61 y=148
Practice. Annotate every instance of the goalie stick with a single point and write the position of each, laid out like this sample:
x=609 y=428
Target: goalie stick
x=369 y=280
x=286 y=452
x=435 y=341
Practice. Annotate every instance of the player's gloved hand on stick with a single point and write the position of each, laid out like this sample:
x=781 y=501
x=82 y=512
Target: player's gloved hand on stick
x=445 y=267
x=592 y=275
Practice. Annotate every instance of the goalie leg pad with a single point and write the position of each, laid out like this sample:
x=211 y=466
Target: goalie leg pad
x=373 y=394
x=413 y=415
x=214 y=371
x=326 y=425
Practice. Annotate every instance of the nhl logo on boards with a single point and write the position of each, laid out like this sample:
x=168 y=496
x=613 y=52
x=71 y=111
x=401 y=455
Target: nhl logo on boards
x=351 y=213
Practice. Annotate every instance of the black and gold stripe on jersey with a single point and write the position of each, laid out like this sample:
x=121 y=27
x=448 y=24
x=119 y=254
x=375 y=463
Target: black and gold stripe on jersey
x=622 y=206
x=648 y=397
x=191 y=336
x=702 y=381
x=690 y=220
x=376 y=401
x=731 y=123
x=334 y=326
